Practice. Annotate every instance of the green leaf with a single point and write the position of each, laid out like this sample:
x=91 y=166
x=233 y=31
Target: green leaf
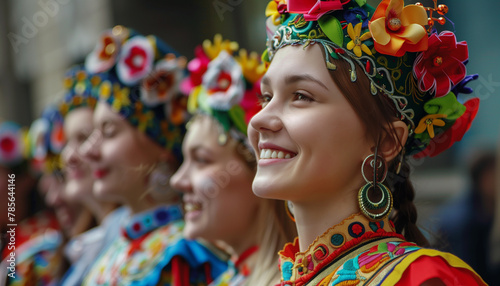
x=237 y=115
x=332 y=29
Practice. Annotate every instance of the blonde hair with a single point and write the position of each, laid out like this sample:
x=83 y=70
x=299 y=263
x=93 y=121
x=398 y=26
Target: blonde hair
x=275 y=230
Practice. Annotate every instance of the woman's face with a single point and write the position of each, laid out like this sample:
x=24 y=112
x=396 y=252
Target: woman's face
x=308 y=139
x=52 y=188
x=79 y=179
x=120 y=157
x=217 y=186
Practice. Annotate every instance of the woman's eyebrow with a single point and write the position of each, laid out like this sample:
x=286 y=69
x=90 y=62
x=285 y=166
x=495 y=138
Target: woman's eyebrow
x=303 y=77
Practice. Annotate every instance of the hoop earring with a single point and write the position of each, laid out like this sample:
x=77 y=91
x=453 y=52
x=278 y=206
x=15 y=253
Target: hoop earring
x=368 y=207
x=289 y=210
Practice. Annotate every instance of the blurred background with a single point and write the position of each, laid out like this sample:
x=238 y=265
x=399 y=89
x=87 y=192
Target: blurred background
x=39 y=40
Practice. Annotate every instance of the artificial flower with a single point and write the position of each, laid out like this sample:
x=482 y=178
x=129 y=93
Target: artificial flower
x=356 y=45
x=196 y=67
x=212 y=50
x=252 y=68
x=103 y=57
x=396 y=29
x=442 y=64
x=314 y=9
x=357 y=15
x=161 y=84
x=136 y=60
x=454 y=134
x=224 y=82
x=272 y=11
x=11 y=143
x=427 y=123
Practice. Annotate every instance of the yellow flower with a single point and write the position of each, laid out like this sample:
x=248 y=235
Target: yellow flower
x=272 y=11
x=105 y=90
x=212 y=50
x=120 y=97
x=357 y=41
x=252 y=69
x=428 y=122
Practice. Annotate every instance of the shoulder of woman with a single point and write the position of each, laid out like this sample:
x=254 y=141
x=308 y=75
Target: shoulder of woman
x=432 y=267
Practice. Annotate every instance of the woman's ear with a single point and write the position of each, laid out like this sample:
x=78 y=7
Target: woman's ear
x=392 y=142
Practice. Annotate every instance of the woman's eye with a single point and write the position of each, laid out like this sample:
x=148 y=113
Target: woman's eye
x=302 y=97
x=264 y=99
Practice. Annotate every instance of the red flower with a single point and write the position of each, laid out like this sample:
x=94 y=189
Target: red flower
x=454 y=133
x=314 y=9
x=136 y=60
x=441 y=66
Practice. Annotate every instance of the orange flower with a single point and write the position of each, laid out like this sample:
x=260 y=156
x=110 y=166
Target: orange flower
x=428 y=122
x=396 y=29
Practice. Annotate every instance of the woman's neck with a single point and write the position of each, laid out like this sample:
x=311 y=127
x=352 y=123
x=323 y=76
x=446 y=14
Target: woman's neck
x=313 y=218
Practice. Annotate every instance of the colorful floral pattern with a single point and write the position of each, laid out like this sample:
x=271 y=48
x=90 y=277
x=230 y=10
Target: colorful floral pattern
x=406 y=62
x=143 y=85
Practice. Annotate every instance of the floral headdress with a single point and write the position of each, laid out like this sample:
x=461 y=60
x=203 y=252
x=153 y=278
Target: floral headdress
x=140 y=81
x=399 y=50
x=46 y=141
x=224 y=83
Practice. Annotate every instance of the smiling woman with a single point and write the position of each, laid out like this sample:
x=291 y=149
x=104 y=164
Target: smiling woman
x=339 y=120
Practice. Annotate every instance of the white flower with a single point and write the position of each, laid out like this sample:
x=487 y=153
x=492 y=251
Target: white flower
x=224 y=82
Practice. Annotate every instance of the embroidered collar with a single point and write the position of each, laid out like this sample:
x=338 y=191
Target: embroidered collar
x=299 y=266
x=143 y=223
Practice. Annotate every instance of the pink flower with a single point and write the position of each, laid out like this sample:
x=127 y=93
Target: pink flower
x=441 y=66
x=314 y=9
x=196 y=67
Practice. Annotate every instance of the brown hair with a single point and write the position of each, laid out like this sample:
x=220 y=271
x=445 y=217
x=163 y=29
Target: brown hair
x=377 y=113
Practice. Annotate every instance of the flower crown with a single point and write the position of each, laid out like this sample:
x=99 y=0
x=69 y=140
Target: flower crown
x=140 y=79
x=224 y=83
x=420 y=71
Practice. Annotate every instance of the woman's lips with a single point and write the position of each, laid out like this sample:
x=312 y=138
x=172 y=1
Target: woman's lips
x=100 y=173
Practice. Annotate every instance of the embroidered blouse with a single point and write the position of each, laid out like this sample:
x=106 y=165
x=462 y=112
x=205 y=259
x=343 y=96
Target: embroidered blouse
x=33 y=257
x=152 y=251
x=360 y=252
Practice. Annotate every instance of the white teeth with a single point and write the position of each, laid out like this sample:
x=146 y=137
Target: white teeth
x=274 y=154
x=267 y=155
